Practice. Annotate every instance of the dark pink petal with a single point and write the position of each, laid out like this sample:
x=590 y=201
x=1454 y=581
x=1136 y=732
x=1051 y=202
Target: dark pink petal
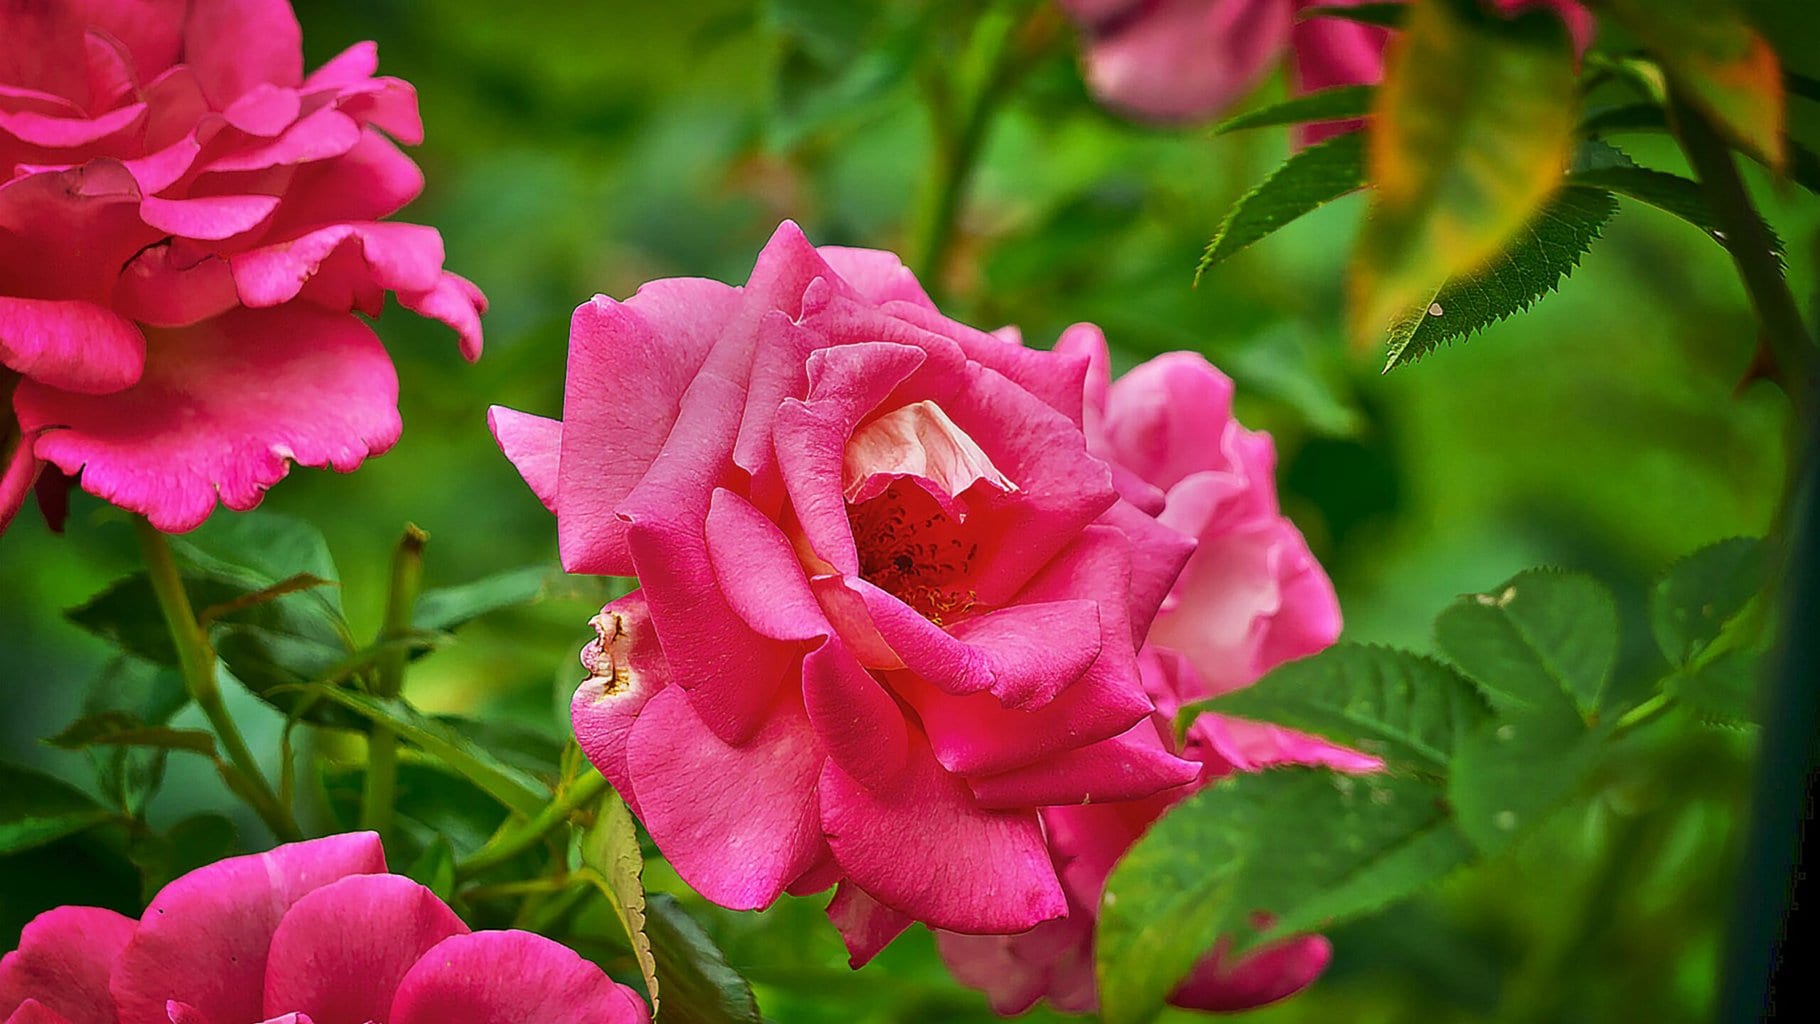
x=340 y=951
x=1158 y=553
x=207 y=217
x=758 y=572
x=179 y=1012
x=389 y=104
x=69 y=132
x=265 y=111
x=160 y=288
x=626 y=668
x=345 y=68
x=34 y=1012
x=1130 y=766
x=238 y=45
x=160 y=169
x=739 y=823
x=373 y=180
x=865 y=925
x=927 y=849
x=629 y=365
x=455 y=301
x=511 y=977
x=71 y=346
x=66 y=234
x=320 y=135
x=531 y=443
x=18 y=471
x=1055 y=378
x=1272 y=973
x=1329 y=52
x=206 y=934
x=859 y=724
x=222 y=410
x=401 y=257
x=63 y=961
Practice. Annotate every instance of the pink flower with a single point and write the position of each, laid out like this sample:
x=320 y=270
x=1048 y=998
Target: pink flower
x=187 y=223
x=1250 y=598
x=310 y=932
x=891 y=602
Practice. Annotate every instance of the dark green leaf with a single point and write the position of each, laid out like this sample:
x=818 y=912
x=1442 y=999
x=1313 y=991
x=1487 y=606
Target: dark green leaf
x=1630 y=117
x=434 y=806
x=89 y=868
x=1513 y=771
x=511 y=787
x=191 y=843
x=1806 y=87
x=1340 y=103
x=1401 y=707
x=1535 y=263
x=36 y=809
x=126 y=614
x=259 y=550
x=1670 y=193
x=1307 y=846
x=121 y=729
x=146 y=693
x=1390 y=15
x=1699 y=595
x=699 y=986
x=1309 y=180
x=610 y=847
x=447 y=608
x=1721 y=690
x=1541 y=640
x=434 y=869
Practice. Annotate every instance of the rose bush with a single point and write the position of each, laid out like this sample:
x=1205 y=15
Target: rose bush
x=310 y=932
x=1250 y=598
x=187 y=223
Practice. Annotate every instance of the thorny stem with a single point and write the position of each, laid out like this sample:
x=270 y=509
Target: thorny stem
x=381 y=789
x=196 y=662
x=578 y=794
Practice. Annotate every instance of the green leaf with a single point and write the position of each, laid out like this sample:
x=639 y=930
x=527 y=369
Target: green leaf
x=1535 y=263
x=191 y=843
x=834 y=59
x=126 y=614
x=434 y=869
x=1515 y=770
x=121 y=729
x=36 y=809
x=610 y=847
x=1339 y=103
x=1699 y=595
x=1536 y=642
x=1402 y=707
x=1379 y=15
x=1721 y=690
x=1711 y=54
x=513 y=788
x=1803 y=163
x=259 y=550
x=1306 y=846
x=1471 y=132
x=1670 y=193
x=143 y=692
x=434 y=806
x=1307 y=181
x=698 y=984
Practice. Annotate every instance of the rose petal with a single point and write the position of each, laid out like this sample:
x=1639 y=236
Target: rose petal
x=511 y=977
x=207 y=217
x=626 y=668
x=62 y=963
x=71 y=346
x=1130 y=766
x=454 y=301
x=222 y=410
x=1273 y=972
x=238 y=45
x=531 y=443
x=865 y=925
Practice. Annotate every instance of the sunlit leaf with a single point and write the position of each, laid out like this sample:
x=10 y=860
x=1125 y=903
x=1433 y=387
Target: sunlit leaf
x=1535 y=643
x=610 y=847
x=1472 y=130
x=1392 y=704
x=1306 y=182
x=1339 y=103
x=1513 y=771
x=1307 y=846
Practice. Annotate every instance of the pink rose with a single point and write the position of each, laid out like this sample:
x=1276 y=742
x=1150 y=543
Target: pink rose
x=314 y=931
x=891 y=602
x=1250 y=598
x=187 y=223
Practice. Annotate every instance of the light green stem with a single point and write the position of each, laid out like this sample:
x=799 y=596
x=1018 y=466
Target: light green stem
x=579 y=793
x=380 y=793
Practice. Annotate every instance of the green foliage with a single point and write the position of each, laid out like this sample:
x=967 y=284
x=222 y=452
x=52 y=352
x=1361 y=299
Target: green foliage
x=1540 y=640
x=195 y=841
x=1514 y=770
x=1306 y=846
x=36 y=809
x=1669 y=193
x=1309 y=180
x=1404 y=708
x=1339 y=103
x=1703 y=593
x=610 y=847
x=699 y=986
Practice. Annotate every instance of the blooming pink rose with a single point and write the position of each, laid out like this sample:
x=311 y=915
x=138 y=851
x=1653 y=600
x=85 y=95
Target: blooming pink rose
x=1250 y=598
x=891 y=602
x=187 y=223
x=310 y=932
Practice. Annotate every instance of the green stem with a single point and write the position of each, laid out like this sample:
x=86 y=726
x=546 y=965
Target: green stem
x=196 y=662
x=381 y=790
x=958 y=145
x=581 y=792
x=1747 y=239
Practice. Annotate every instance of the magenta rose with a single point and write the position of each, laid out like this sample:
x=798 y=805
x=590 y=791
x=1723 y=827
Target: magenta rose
x=1250 y=598
x=890 y=601
x=310 y=932
x=187 y=225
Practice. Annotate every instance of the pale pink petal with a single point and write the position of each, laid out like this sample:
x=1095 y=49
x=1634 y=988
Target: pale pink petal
x=340 y=951
x=533 y=444
x=71 y=346
x=865 y=925
x=927 y=849
x=878 y=275
x=511 y=977
x=1329 y=52
x=1054 y=960
x=1181 y=60
x=739 y=823
x=1166 y=418
x=237 y=45
x=206 y=934
x=916 y=440
x=63 y=961
x=626 y=668
x=1254 y=746
x=222 y=410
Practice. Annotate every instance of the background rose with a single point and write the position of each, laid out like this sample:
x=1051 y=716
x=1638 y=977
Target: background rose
x=898 y=599
x=1250 y=598
x=186 y=223
x=310 y=932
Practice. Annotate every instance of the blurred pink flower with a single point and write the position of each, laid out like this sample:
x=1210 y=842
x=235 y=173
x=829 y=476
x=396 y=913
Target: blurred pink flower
x=1250 y=598
x=187 y=222
x=310 y=932
x=890 y=601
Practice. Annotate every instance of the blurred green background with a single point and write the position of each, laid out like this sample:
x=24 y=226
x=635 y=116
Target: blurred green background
x=576 y=149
